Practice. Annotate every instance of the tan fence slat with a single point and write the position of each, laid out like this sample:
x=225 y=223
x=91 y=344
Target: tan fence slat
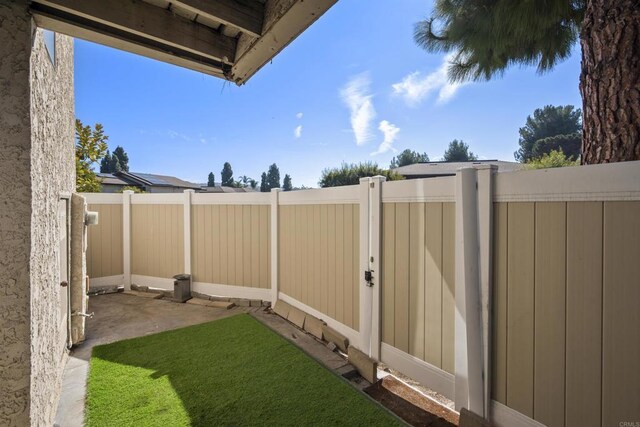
x=416 y=279
x=331 y=265
x=225 y=254
x=520 y=307
x=402 y=278
x=433 y=284
x=356 y=268
x=348 y=266
x=500 y=258
x=621 y=314
x=340 y=283
x=584 y=314
x=549 y=316
x=388 y=272
x=214 y=234
x=265 y=247
x=324 y=258
x=448 y=285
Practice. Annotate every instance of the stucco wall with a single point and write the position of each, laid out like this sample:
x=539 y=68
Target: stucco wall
x=15 y=213
x=36 y=163
x=52 y=172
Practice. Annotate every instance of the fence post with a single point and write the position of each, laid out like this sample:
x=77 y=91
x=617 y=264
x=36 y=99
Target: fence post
x=375 y=261
x=485 y=222
x=126 y=238
x=275 y=200
x=469 y=387
x=187 y=230
x=364 y=291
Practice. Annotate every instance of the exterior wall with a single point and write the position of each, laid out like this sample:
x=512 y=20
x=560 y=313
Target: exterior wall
x=566 y=325
x=157 y=240
x=418 y=286
x=319 y=258
x=36 y=164
x=15 y=222
x=52 y=172
x=104 y=254
x=230 y=245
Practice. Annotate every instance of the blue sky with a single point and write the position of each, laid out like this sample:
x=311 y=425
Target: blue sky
x=355 y=85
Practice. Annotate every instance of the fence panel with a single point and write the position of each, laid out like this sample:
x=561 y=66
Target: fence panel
x=418 y=277
x=231 y=244
x=566 y=328
x=104 y=241
x=157 y=240
x=319 y=245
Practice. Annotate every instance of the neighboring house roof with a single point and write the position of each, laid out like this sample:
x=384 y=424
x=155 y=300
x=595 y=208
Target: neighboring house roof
x=220 y=189
x=110 y=179
x=433 y=169
x=153 y=180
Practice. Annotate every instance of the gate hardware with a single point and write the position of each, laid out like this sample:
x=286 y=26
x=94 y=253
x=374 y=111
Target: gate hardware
x=368 y=277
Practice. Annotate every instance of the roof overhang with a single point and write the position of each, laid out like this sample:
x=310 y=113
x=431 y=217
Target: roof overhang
x=230 y=39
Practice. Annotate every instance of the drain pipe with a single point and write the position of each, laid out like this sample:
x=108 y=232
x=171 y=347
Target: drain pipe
x=67 y=198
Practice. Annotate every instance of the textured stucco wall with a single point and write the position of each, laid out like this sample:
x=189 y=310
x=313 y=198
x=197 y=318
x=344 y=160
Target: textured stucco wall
x=52 y=172
x=15 y=212
x=36 y=164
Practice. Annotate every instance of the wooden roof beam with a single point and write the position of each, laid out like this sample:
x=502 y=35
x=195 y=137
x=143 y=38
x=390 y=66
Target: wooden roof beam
x=101 y=21
x=245 y=15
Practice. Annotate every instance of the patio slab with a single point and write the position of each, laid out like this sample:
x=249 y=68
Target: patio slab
x=118 y=317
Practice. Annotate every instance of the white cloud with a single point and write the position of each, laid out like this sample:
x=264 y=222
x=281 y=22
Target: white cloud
x=390 y=132
x=415 y=87
x=357 y=96
x=297 y=132
x=299 y=116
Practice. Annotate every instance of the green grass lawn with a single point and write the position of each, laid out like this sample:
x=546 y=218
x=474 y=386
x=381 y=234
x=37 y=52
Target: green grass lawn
x=233 y=371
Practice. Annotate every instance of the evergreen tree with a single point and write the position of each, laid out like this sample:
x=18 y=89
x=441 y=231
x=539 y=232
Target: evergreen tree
x=227 y=175
x=264 y=186
x=273 y=177
x=551 y=128
x=105 y=163
x=458 y=151
x=408 y=157
x=123 y=158
x=286 y=186
x=211 y=181
x=485 y=38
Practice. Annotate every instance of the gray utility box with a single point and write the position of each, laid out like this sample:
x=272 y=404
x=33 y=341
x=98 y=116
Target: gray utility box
x=182 y=287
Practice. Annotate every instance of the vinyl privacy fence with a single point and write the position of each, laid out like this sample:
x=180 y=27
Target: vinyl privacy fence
x=514 y=294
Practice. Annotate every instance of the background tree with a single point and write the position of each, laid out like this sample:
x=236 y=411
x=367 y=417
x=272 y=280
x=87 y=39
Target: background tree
x=91 y=146
x=123 y=158
x=227 y=175
x=350 y=174
x=115 y=162
x=211 y=180
x=264 y=186
x=551 y=128
x=553 y=159
x=486 y=37
x=273 y=177
x=458 y=151
x=253 y=183
x=408 y=157
x=286 y=185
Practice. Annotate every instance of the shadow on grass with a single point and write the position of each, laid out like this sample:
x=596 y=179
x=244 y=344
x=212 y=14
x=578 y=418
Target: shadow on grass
x=233 y=371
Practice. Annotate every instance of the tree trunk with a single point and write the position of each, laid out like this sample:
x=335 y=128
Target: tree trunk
x=610 y=81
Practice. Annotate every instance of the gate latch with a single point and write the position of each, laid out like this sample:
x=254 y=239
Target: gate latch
x=368 y=277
